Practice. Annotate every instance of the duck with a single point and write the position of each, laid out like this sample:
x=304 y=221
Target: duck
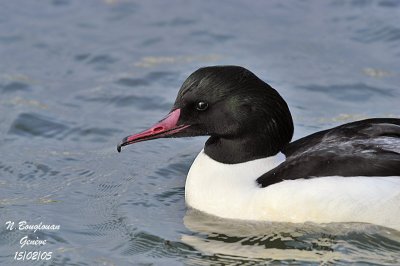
x=250 y=169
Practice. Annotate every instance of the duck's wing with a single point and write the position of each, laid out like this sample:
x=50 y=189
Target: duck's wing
x=364 y=148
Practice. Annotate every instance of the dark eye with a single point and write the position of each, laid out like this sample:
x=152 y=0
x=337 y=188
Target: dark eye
x=201 y=106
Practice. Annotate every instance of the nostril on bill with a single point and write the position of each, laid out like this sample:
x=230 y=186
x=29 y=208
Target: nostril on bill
x=158 y=129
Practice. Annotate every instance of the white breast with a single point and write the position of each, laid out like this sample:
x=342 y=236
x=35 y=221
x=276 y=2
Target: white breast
x=231 y=191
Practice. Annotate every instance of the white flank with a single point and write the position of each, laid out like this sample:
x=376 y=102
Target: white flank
x=231 y=191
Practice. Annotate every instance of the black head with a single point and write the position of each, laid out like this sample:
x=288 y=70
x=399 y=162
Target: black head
x=245 y=117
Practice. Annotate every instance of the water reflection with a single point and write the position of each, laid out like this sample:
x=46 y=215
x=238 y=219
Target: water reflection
x=308 y=243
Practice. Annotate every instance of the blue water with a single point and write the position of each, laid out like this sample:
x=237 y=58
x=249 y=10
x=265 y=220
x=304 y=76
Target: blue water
x=77 y=76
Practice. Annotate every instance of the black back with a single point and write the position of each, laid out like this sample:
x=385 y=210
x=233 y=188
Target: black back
x=364 y=148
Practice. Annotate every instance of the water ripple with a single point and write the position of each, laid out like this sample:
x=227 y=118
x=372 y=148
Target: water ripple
x=208 y=37
x=34 y=125
x=389 y=3
x=102 y=60
x=351 y=92
x=174 y=22
x=163 y=77
x=132 y=82
x=378 y=33
x=14 y=86
x=134 y=101
x=31 y=170
x=31 y=124
x=171 y=196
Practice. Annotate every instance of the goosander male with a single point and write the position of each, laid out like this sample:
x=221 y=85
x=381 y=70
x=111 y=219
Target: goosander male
x=250 y=170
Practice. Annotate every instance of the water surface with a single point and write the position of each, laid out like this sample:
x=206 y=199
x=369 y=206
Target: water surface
x=77 y=76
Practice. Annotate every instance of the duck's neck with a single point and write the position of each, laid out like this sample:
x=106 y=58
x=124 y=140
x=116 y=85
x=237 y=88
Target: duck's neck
x=239 y=150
